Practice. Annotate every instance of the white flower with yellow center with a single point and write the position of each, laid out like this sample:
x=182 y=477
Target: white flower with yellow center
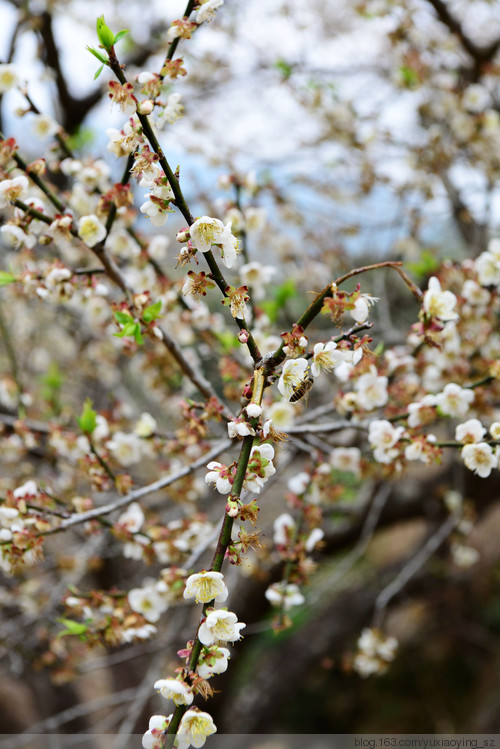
x=206 y=586
x=194 y=728
x=371 y=390
x=8 y=77
x=293 y=374
x=220 y=626
x=206 y=232
x=470 y=431
x=480 y=458
x=454 y=400
x=91 y=230
x=13 y=189
x=176 y=690
x=438 y=303
x=325 y=358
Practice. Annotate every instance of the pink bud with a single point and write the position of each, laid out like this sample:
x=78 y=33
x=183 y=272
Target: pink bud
x=243 y=336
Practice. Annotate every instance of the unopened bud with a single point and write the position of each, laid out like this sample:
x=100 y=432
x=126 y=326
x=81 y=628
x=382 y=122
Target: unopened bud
x=145 y=107
x=182 y=236
x=243 y=336
x=37 y=167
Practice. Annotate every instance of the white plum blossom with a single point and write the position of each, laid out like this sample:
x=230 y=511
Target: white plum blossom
x=206 y=586
x=127 y=449
x=282 y=414
x=475 y=294
x=9 y=77
x=256 y=276
x=214 y=662
x=375 y=652
x=326 y=356
x=299 y=483
x=315 y=536
x=207 y=11
x=91 y=230
x=464 y=556
x=29 y=489
x=346 y=459
x=206 y=232
x=132 y=519
x=480 y=458
x=220 y=626
x=470 y=431
x=219 y=476
x=44 y=126
x=194 y=729
x=172 y=111
x=253 y=410
x=260 y=467
x=284 y=595
x=439 y=303
x=16 y=237
x=239 y=428
x=417 y=410
x=362 y=307
x=154 y=738
x=13 y=189
x=383 y=436
x=454 y=400
x=371 y=390
x=146 y=426
x=283 y=526
x=488 y=269
x=294 y=372
x=476 y=98
x=148 y=602
x=156 y=211
x=495 y=430
x=176 y=690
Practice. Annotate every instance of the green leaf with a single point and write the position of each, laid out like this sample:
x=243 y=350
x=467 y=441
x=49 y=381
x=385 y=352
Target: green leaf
x=426 y=264
x=122 y=317
x=271 y=307
x=98 y=72
x=284 y=68
x=72 y=628
x=152 y=312
x=120 y=35
x=409 y=76
x=104 y=33
x=138 y=335
x=96 y=53
x=127 y=330
x=88 y=420
x=6 y=278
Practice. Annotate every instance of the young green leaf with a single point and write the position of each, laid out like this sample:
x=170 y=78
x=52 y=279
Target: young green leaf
x=122 y=317
x=152 y=312
x=6 y=278
x=72 y=628
x=88 y=420
x=127 y=330
x=98 y=72
x=104 y=33
x=96 y=53
x=120 y=35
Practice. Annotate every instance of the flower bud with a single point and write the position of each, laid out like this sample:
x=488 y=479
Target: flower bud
x=145 y=107
x=182 y=236
x=243 y=336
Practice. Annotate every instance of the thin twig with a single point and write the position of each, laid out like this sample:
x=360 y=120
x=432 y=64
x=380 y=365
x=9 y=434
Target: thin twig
x=96 y=512
x=414 y=565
